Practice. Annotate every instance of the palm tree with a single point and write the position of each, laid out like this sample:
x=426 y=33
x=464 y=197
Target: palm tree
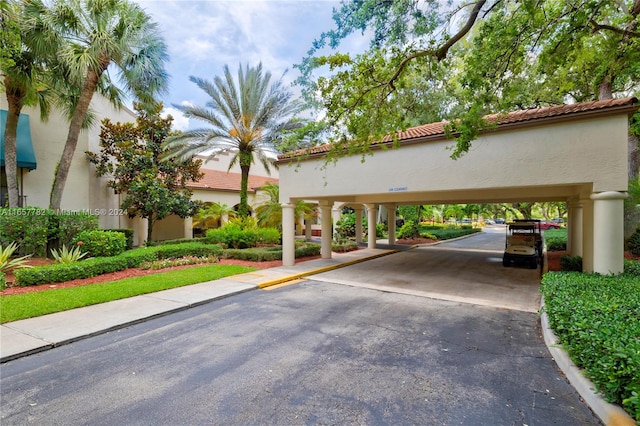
x=86 y=37
x=269 y=213
x=246 y=117
x=22 y=76
x=212 y=215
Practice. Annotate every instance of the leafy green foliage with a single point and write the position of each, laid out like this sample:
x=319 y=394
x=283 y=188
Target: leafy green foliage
x=182 y=261
x=128 y=234
x=632 y=267
x=246 y=116
x=344 y=247
x=176 y=251
x=269 y=213
x=447 y=233
x=571 y=263
x=130 y=155
x=410 y=229
x=101 y=243
x=212 y=214
x=65 y=227
x=633 y=243
x=556 y=239
x=596 y=319
x=7 y=263
x=65 y=255
x=29 y=226
x=266 y=254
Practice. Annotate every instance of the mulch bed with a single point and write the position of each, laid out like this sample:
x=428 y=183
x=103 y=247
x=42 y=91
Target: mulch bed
x=553 y=258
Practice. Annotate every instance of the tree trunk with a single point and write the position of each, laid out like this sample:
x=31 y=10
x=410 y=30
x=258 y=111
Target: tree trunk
x=150 y=222
x=10 y=147
x=245 y=164
x=62 y=170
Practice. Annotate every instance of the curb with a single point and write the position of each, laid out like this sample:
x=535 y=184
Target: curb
x=610 y=414
x=322 y=269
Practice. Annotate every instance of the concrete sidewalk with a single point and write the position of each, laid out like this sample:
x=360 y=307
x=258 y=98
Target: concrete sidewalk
x=28 y=336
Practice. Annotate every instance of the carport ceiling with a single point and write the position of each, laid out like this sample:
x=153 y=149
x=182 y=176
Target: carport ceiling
x=475 y=196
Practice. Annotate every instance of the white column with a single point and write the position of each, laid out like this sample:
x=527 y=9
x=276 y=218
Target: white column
x=587 y=234
x=188 y=227
x=288 y=235
x=608 y=232
x=358 y=212
x=575 y=230
x=372 y=215
x=391 y=222
x=327 y=233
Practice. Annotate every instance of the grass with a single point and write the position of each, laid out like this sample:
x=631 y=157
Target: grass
x=28 y=305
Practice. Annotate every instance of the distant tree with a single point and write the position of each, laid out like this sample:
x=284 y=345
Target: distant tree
x=211 y=215
x=130 y=155
x=85 y=37
x=246 y=117
x=269 y=213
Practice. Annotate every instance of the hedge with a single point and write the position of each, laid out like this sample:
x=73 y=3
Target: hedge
x=597 y=319
x=102 y=265
x=268 y=254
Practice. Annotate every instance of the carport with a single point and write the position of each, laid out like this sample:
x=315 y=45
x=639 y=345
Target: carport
x=574 y=153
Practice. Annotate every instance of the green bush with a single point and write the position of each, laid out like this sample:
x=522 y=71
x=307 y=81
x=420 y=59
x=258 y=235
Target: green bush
x=136 y=257
x=177 y=241
x=269 y=236
x=255 y=254
x=65 y=227
x=596 y=318
x=101 y=243
x=410 y=229
x=28 y=226
x=570 y=263
x=233 y=236
x=3 y=281
x=128 y=234
x=633 y=242
x=344 y=247
x=556 y=239
x=448 y=232
x=632 y=267
x=174 y=251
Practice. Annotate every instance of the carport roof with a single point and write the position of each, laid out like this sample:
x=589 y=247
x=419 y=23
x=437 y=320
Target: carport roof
x=527 y=117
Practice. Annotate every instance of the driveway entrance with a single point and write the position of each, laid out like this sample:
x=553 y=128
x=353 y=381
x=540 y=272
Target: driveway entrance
x=467 y=270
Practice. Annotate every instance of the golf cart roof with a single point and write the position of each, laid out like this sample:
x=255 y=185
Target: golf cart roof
x=524 y=224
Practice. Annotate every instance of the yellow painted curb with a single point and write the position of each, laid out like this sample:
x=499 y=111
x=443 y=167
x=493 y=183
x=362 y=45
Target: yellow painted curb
x=323 y=269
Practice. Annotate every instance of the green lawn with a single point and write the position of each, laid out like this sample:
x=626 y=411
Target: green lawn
x=28 y=305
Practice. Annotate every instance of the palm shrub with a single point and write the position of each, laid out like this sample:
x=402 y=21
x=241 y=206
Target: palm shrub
x=7 y=263
x=65 y=255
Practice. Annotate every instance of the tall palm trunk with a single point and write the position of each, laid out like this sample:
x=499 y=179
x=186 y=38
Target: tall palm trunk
x=246 y=157
x=10 y=145
x=62 y=171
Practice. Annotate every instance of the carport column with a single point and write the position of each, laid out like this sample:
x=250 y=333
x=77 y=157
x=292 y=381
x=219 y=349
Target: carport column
x=288 y=235
x=574 y=229
x=188 y=227
x=358 y=212
x=372 y=215
x=587 y=234
x=326 y=231
x=391 y=222
x=608 y=232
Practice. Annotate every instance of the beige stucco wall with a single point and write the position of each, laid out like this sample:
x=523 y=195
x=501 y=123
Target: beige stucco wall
x=553 y=162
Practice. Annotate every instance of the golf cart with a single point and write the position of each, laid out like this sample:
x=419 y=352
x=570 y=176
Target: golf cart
x=523 y=243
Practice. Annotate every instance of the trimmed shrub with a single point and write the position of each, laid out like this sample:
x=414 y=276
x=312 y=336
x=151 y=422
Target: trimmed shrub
x=177 y=241
x=69 y=225
x=632 y=267
x=102 y=243
x=28 y=226
x=136 y=257
x=410 y=229
x=344 y=247
x=570 y=263
x=3 y=281
x=232 y=236
x=555 y=239
x=175 y=251
x=596 y=319
x=633 y=243
x=128 y=234
x=269 y=236
x=448 y=232
x=266 y=254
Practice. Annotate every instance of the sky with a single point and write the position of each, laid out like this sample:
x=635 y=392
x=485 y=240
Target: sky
x=202 y=36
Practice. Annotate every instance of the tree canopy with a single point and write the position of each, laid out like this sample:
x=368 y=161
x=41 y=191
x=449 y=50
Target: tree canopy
x=463 y=61
x=130 y=156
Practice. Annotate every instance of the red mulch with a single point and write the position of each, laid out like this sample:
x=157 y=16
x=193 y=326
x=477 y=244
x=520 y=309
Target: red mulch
x=553 y=258
x=131 y=272
x=412 y=241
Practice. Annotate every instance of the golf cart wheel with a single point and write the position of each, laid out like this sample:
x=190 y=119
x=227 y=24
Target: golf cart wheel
x=506 y=262
x=533 y=263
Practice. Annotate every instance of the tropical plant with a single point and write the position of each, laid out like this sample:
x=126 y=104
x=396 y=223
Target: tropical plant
x=212 y=215
x=246 y=117
x=23 y=76
x=84 y=38
x=7 y=263
x=269 y=213
x=65 y=255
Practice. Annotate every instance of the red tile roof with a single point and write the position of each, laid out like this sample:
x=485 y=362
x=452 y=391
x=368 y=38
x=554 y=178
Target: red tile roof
x=216 y=180
x=502 y=120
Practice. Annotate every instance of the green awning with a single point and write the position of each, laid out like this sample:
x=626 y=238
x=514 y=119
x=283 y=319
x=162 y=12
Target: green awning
x=25 y=154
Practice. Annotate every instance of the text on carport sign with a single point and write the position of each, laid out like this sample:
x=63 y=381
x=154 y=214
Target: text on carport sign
x=398 y=189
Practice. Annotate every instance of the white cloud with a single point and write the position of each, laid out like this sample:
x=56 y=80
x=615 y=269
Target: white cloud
x=180 y=122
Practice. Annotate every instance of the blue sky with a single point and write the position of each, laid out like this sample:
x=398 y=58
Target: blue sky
x=203 y=36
